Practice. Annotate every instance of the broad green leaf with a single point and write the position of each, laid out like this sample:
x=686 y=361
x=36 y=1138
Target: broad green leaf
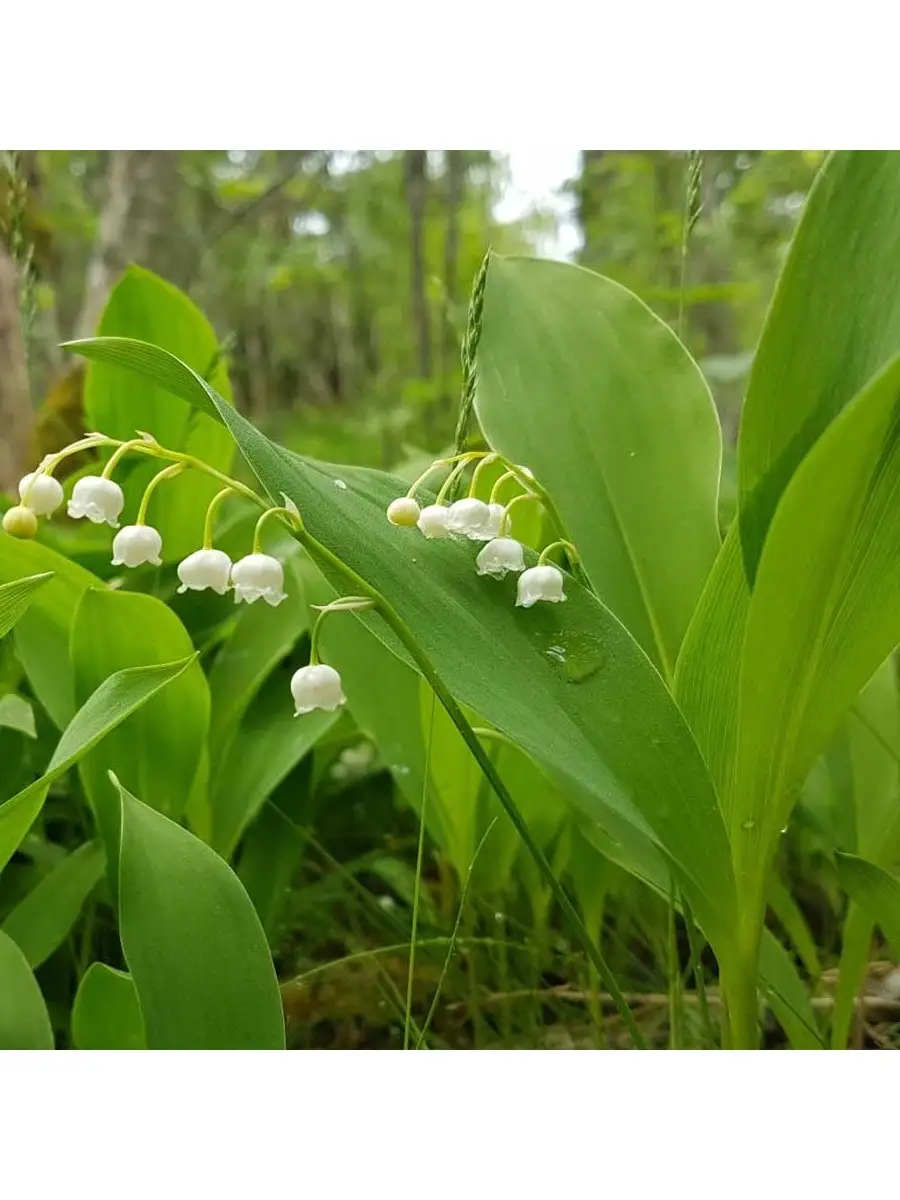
x=16 y=596
x=16 y=713
x=24 y=1023
x=582 y=383
x=834 y=322
x=143 y=305
x=159 y=752
x=44 y=919
x=567 y=682
x=107 y=1014
x=787 y=994
x=874 y=890
x=42 y=634
x=824 y=613
x=265 y=749
x=114 y=700
x=193 y=943
x=707 y=675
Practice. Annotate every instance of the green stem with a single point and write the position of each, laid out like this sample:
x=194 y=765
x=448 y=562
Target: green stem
x=116 y=457
x=158 y=478
x=476 y=474
x=399 y=627
x=567 y=546
x=270 y=512
x=504 y=478
x=505 y=524
x=211 y=515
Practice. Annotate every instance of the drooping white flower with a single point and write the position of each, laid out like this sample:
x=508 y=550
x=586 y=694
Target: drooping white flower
x=499 y=556
x=258 y=575
x=205 y=569
x=403 y=511
x=316 y=686
x=433 y=521
x=98 y=499
x=543 y=582
x=20 y=522
x=137 y=544
x=470 y=518
x=41 y=493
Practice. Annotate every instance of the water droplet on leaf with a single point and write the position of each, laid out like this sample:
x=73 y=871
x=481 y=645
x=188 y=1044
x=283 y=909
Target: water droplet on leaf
x=339 y=483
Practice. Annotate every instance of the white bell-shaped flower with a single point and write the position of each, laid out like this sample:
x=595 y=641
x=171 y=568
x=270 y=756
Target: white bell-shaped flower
x=470 y=518
x=137 y=544
x=499 y=556
x=20 y=522
x=205 y=569
x=41 y=493
x=258 y=575
x=543 y=582
x=433 y=521
x=98 y=499
x=316 y=686
x=403 y=511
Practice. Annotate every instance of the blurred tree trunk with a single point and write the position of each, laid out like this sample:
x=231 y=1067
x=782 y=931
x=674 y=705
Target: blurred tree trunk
x=109 y=257
x=417 y=197
x=588 y=192
x=16 y=416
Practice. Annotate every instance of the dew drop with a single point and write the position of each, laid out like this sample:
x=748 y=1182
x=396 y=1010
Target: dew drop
x=558 y=653
x=339 y=483
x=748 y=824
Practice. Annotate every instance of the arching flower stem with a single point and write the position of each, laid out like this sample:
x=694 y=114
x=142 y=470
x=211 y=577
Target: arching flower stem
x=158 y=478
x=209 y=523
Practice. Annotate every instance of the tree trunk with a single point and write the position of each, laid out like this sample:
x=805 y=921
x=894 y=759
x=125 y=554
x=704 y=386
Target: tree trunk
x=454 y=178
x=16 y=416
x=108 y=257
x=417 y=195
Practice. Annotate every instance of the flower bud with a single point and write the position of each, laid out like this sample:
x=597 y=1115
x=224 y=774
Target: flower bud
x=316 y=686
x=470 y=518
x=499 y=556
x=433 y=521
x=137 y=544
x=205 y=569
x=20 y=521
x=258 y=575
x=98 y=499
x=403 y=511
x=41 y=493
x=543 y=582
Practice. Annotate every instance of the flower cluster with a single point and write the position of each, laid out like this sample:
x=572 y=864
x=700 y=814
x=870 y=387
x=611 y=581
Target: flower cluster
x=487 y=522
x=256 y=576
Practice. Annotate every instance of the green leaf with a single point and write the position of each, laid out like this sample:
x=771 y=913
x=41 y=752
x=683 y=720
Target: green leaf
x=107 y=1014
x=16 y=713
x=264 y=750
x=24 y=1023
x=43 y=920
x=787 y=994
x=193 y=943
x=567 y=682
x=833 y=323
x=824 y=614
x=116 y=698
x=159 y=752
x=707 y=675
x=42 y=634
x=874 y=890
x=143 y=305
x=582 y=383
x=16 y=596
